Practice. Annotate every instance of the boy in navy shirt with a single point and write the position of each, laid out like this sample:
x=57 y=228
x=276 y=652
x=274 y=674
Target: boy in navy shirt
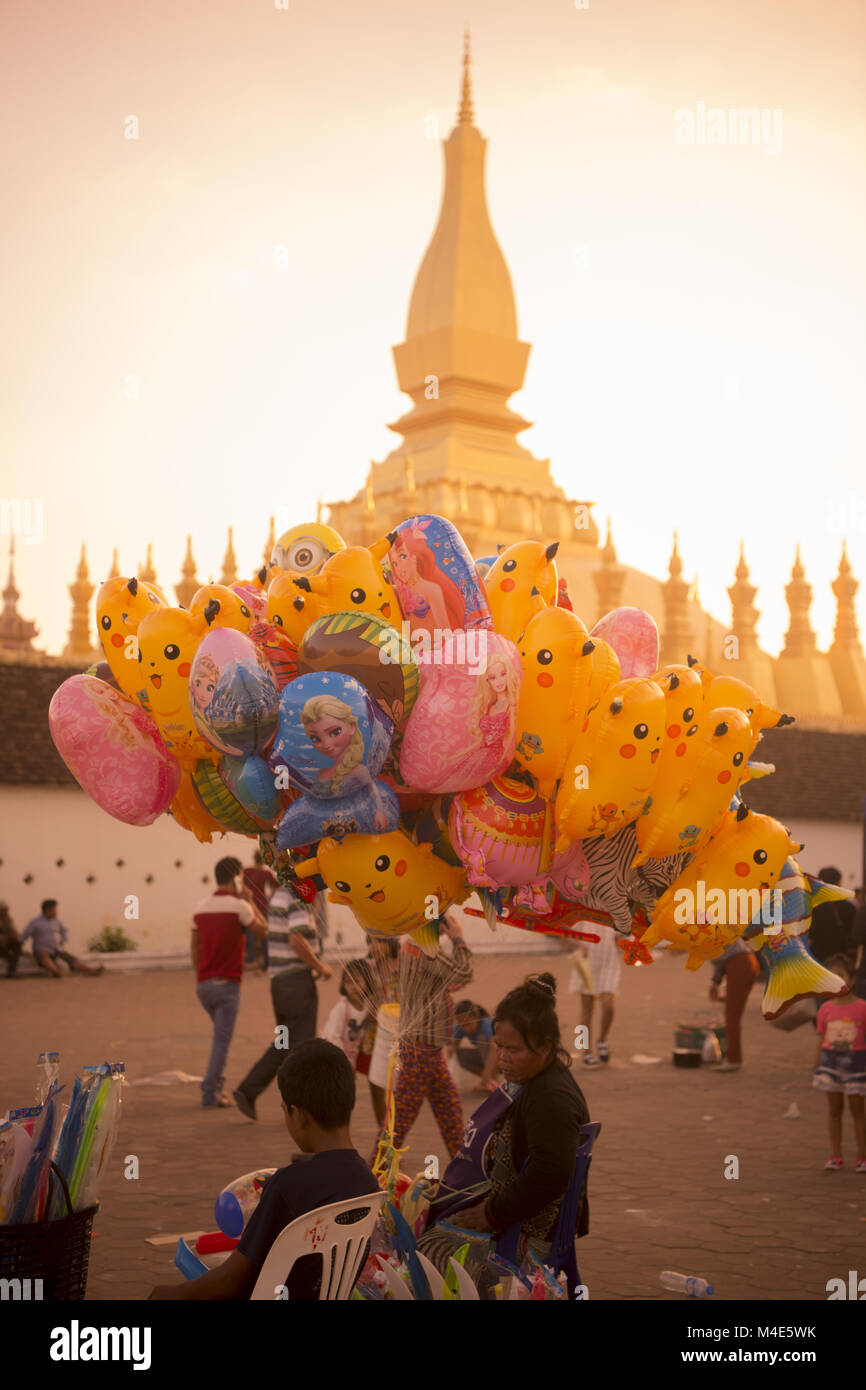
x=317 y=1084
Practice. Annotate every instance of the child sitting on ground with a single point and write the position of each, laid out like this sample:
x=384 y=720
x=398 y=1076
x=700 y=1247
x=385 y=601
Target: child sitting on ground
x=472 y=1040
x=841 y=1069
x=317 y=1085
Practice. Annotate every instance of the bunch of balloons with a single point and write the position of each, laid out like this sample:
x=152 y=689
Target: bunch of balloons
x=405 y=725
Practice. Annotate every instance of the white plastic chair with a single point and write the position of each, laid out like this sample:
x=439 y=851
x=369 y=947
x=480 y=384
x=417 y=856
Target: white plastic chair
x=341 y=1244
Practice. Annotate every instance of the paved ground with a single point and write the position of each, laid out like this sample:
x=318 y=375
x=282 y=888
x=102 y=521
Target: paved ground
x=659 y=1197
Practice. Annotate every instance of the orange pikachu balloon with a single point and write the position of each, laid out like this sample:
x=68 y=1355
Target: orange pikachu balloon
x=521 y=583
x=289 y=609
x=718 y=895
x=233 y=611
x=168 y=640
x=121 y=604
x=352 y=580
x=684 y=711
x=555 y=656
x=611 y=767
x=727 y=690
x=708 y=780
x=391 y=884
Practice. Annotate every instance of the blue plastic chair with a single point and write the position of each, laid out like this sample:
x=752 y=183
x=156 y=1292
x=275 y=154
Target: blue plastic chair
x=562 y=1258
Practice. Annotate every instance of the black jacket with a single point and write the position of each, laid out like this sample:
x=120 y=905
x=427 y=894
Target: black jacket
x=546 y=1120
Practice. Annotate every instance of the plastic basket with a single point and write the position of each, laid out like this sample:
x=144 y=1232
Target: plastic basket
x=57 y=1252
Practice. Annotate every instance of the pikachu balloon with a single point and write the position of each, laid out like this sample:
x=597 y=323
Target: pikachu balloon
x=391 y=884
x=521 y=583
x=233 y=612
x=728 y=690
x=168 y=640
x=121 y=604
x=289 y=609
x=685 y=820
x=555 y=660
x=611 y=767
x=684 y=711
x=718 y=895
x=351 y=581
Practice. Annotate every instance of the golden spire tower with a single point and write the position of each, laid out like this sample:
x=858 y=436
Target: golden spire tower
x=743 y=657
x=677 y=637
x=188 y=585
x=609 y=577
x=114 y=572
x=147 y=572
x=846 y=654
x=229 y=575
x=804 y=679
x=16 y=633
x=79 y=649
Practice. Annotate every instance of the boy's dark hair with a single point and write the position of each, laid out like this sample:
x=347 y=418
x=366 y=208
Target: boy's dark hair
x=226 y=870
x=830 y=875
x=468 y=1006
x=48 y=903
x=357 y=970
x=531 y=1009
x=318 y=1077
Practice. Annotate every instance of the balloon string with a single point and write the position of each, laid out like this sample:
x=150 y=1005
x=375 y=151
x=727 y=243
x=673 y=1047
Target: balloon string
x=386 y=1166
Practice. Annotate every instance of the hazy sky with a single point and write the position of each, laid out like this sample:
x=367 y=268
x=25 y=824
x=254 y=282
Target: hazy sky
x=696 y=311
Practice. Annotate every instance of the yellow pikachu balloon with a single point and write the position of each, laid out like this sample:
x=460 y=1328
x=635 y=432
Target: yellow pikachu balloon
x=233 y=612
x=684 y=697
x=121 y=604
x=728 y=690
x=719 y=894
x=289 y=609
x=391 y=884
x=521 y=583
x=555 y=657
x=352 y=580
x=168 y=640
x=686 y=819
x=611 y=767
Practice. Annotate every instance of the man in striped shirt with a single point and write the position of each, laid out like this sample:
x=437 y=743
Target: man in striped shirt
x=293 y=966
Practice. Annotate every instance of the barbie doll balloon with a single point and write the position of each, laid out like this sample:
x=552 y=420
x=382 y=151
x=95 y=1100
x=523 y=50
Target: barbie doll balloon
x=120 y=606
x=461 y=732
x=520 y=584
x=435 y=577
x=113 y=750
x=369 y=649
x=634 y=637
x=234 y=696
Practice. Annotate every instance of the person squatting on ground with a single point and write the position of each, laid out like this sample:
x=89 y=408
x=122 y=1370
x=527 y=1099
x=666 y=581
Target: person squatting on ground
x=48 y=935
x=293 y=967
x=472 y=1043
x=421 y=1071
x=317 y=1087
x=217 y=949
x=841 y=1068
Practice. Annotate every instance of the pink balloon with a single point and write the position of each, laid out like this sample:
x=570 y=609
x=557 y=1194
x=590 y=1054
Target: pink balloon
x=461 y=731
x=634 y=637
x=113 y=749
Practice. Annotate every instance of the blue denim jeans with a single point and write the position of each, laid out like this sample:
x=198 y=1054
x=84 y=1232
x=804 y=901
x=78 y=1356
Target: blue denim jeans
x=221 y=999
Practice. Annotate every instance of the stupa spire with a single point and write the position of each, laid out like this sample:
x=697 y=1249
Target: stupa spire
x=847 y=661
x=16 y=633
x=147 y=572
x=188 y=585
x=229 y=575
x=79 y=650
x=609 y=578
x=800 y=638
x=744 y=614
x=677 y=634
x=114 y=571
x=269 y=543
x=465 y=112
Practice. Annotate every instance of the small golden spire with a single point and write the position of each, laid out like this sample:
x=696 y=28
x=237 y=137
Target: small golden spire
x=16 y=633
x=229 y=575
x=148 y=573
x=465 y=113
x=845 y=586
x=609 y=578
x=744 y=614
x=800 y=638
x=114 y=571
x=677 y=636
x=188 y=585
x=79 y=649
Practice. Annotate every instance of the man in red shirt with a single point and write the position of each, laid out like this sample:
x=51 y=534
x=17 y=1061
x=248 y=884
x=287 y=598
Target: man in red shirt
x=261 y=883
x=217 y=949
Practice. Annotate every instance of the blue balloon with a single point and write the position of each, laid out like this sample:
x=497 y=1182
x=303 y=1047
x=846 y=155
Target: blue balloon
x=332 y=738
x=365 y=811
x=252 y=782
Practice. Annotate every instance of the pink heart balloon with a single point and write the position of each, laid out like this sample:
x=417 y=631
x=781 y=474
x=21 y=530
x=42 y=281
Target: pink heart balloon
x=634 y=637
x=113 y=749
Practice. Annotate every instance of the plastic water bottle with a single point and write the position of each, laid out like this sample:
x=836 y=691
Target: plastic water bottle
x=687 y=1284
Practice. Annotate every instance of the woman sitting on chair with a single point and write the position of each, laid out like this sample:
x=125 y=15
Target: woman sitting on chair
x=530 y=1158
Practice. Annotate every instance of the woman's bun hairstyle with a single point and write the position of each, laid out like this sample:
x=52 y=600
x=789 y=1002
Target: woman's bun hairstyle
x=531 y=1009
